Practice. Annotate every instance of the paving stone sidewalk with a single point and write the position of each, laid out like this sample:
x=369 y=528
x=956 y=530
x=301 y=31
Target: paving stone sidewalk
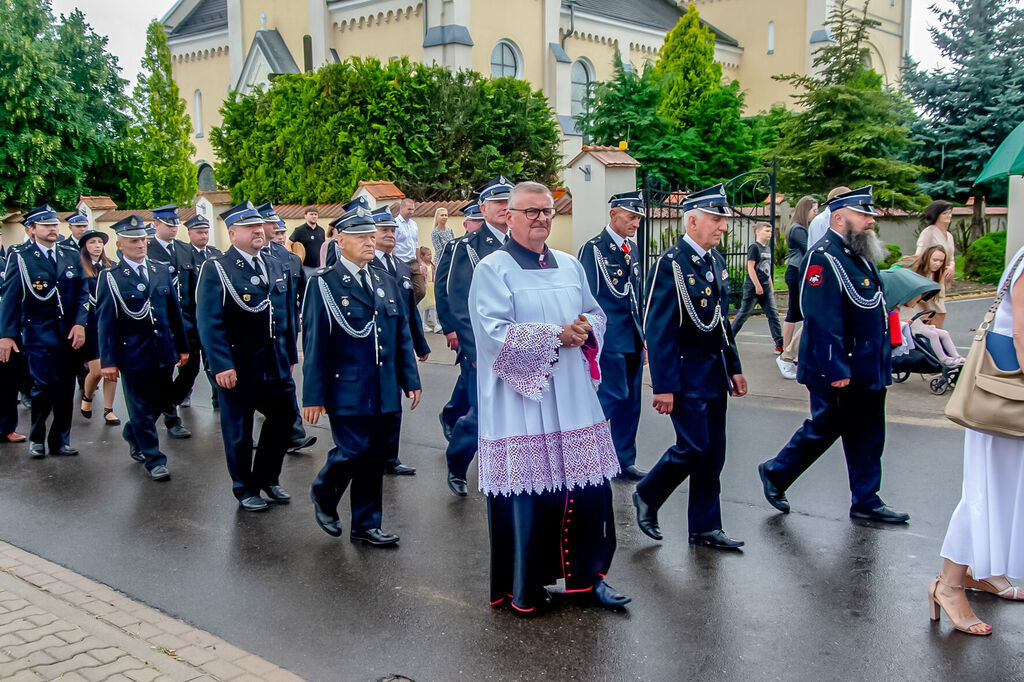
x=56 y=624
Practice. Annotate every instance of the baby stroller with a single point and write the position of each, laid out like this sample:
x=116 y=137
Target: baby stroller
x=921 y=359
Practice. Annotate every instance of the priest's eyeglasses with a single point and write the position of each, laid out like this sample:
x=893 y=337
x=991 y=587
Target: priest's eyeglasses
x=535 y=213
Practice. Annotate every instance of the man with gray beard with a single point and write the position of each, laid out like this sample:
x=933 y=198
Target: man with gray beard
x=844 y=361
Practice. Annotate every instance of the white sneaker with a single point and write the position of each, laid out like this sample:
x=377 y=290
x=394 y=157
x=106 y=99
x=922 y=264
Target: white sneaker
x=787 y=369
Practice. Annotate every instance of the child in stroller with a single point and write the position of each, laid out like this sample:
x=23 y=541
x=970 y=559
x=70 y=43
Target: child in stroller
x=918 y=353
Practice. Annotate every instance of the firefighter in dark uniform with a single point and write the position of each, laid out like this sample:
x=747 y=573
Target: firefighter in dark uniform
x=274 y=231
x=612 y=263
x=694 y=368
x=459 y=262
x=384 y=261
x=10 y=378
x=165 y=248
x=357 y=362
x=198 y=249
x=844 y=361
x=458 y=403
x=141 y=337
x=247 y=327
x=44 y=307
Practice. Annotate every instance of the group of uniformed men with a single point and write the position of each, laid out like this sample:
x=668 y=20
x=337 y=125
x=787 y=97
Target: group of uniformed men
x=166 y=303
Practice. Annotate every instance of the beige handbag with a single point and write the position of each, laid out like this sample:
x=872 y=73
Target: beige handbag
x=986 y=398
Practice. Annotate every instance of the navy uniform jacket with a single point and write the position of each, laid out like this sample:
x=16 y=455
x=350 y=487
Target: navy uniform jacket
x=404 y=281
x=188 y=277
x=346 y=374
x=237 y=328
x=685 y=358
x=453 y=277
x=178 y=259
x=153 y=340
x=614 y=279
x=24 y=315
x=845 y=332
x=292 y=265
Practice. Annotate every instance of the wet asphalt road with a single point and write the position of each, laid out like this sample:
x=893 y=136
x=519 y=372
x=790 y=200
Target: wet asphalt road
x=813 y=595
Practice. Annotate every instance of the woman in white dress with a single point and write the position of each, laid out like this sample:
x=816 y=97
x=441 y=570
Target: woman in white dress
x=984 y=543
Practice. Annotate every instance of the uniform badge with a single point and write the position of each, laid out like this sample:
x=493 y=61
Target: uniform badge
x=239 y=263
x=376 y=276
x=126 y=271
x=691 y=280
x=669 y=256
x=346 y=279
x=405 y=283
x=709 y=276
x=703 y=303
x=38 y=286
x=140 y=286
x=246 y=297
x=614 y=281
x=614 y=248
x=695 y=259
x=619 y=271
x=636 y=268
x=627 y=259
x=380 y=292
x=344 y=301
x=707 y=291
x=814 y=277
x=866 y=282
x=254 y=280
x=69 y=274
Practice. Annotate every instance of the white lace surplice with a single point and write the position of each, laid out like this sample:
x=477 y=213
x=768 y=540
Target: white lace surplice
x=541 y=425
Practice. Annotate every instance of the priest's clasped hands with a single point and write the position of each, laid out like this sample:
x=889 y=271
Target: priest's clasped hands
x=575 y=334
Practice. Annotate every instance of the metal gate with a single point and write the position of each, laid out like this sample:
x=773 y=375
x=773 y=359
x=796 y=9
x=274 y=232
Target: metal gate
x=752 y=197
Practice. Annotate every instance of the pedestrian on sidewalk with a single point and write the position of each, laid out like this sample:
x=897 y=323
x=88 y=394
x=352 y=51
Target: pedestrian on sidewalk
x=982 y=546
x=757 y=287
x=796 y=246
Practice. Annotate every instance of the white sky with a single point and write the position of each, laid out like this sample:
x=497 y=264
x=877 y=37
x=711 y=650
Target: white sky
x=124 y=23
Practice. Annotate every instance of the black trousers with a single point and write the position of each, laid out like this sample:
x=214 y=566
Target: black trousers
x=361 y=444
x=858 y=417
x=145 y=393
x=10 y=380
x=275 y=400
x=699 y=453
x=620 y=396
x=181 y=387
x=463 y=444
x=53 y=392
x=458 y=404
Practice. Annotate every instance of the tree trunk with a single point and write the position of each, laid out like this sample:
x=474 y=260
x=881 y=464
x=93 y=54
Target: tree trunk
x=978 y=215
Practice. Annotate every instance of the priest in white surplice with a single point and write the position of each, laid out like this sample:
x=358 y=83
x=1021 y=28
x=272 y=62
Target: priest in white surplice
x=546 y=452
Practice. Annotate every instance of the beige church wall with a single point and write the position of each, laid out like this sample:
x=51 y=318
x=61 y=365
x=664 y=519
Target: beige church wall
x=600 y=55
x=382 y=35
x=291 y=19
x=212 y=76
x=522 y=23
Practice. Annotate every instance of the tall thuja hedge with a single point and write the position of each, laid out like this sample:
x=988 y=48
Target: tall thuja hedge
x=434 y=132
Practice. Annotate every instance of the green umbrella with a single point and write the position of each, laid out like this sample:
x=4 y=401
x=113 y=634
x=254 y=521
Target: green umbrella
x=1008 y=159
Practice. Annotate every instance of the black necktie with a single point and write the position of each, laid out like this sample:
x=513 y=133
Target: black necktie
x=710 y=262
x=365 y=281
x=391 y=264
x=141 y=272
x=53 y=257
x=259 y=269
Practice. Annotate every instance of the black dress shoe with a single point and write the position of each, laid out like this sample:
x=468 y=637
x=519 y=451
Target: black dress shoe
x=882 y=514
x=253 y=503
x=446 y=429
x=329 y=521
x=135 y=453
x=374 y=537
x=37 y=450
x=457 y=485
x=159 y=473
x=400 y=470
x=607 y=595
x=187 y=402
x=178 y=431
x=772 y=493
x=715 y=538
x=300 y=444
x=64 y=451
x=646 y=518
x=278 y=494
x=631 y=473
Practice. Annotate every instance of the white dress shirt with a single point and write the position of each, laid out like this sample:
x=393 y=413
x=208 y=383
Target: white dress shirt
x=407 y=239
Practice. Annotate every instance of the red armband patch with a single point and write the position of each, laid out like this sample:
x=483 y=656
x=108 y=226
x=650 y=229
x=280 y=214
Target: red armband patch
x=814 y=277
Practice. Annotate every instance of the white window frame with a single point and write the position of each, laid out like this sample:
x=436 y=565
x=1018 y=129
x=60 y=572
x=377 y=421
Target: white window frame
x=588 y=67
x=197 y=112
x=517 y=55
x=771 y=37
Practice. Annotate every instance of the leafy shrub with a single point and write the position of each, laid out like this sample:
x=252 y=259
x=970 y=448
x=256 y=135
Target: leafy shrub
x=894 y=255
x=986 y=258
